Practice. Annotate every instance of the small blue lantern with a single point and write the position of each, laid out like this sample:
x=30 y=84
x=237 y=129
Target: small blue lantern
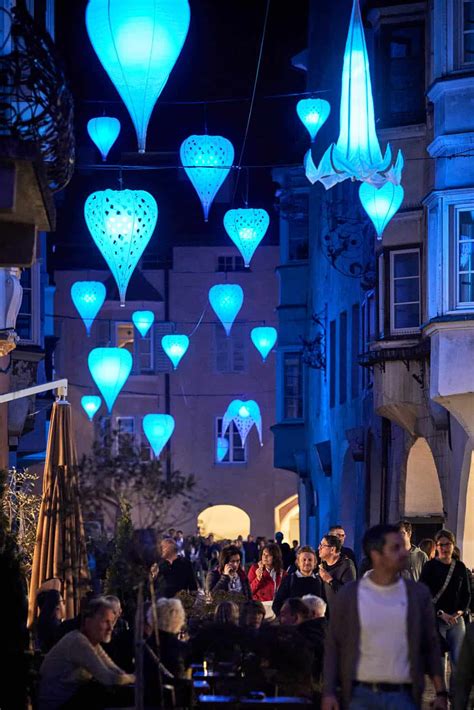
x=246 y=227
x=381 y=204
x=175 y=347
x=138 y=44
x=226 y=301
x=264 y=338
x=244 y=414
x=207 y=161
x=88 y=298
x=313 y=114
x=121 y=223
x=91 y=405
x=158 y=429
x=110 y=368
x=104 y=131
x=143 y=320
x=222 y=448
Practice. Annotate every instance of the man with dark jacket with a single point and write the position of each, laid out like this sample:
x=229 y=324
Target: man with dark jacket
x=382 y=637
x=174 y=573
x=334 y=570
x=348 y=552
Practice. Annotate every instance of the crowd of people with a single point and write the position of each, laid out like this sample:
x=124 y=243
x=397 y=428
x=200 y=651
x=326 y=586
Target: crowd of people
x=290 y=619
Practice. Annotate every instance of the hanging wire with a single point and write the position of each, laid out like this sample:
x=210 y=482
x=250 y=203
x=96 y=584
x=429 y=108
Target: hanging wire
x=198 y=323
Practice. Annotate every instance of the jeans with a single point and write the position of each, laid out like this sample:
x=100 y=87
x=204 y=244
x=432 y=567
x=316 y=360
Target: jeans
x=453 y=637
x=367 y=699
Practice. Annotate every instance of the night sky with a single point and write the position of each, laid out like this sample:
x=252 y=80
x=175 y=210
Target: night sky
x=218 y=61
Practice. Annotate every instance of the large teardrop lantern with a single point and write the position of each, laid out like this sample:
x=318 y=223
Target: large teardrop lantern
x=381 y=204
x=313 y=114
x=143 y=320
x=110 y=368
x=207 y=161
x=88 y=298
x=138 y=43
x=158 y=429
x=264 y=338
x=226 y=301
x=244 y=414
x=175 y=346
x=121 y=223
x=246 y=227
x=103 y=131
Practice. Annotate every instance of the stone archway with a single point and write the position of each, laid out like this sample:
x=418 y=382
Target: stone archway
x=423 y=495
x=287 y=519
x=225 y=522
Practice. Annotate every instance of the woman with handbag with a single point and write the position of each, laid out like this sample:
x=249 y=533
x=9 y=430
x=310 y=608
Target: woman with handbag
x=448 y=583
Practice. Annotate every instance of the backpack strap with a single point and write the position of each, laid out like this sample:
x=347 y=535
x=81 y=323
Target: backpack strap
x=438 y=596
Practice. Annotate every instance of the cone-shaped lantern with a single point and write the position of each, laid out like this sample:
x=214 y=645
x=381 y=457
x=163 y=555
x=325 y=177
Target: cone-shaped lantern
x=246 y=228
x=138 y=43
x=104 y=131
x=121 y=223
x=313 y=114
x=175 y=347
x=88 y=298
x=226 y=301
x=222 y=448
x=143 y=320
x=91 y=405
x=207 y=161
x=158 y=429
x=381 y=204
x=264 y=338
x=110 y=368
x=244 y=414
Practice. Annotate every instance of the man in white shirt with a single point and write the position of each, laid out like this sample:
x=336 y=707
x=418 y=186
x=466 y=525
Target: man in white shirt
x=382 y=635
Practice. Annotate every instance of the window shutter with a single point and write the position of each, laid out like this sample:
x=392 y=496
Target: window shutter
x=238 y=348
x=162 y=361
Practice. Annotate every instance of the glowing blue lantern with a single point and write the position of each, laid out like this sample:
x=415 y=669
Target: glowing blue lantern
x=246 y=228
x=313 y=114
x=104 y=131
x=381 y=204
x=91 y=404
x=244 y=414
x=207 y=161
x=222 y=448
x=175 y=347
x=121 y=223
x=110 y=368
x=88 y=297
x=357 y=154
x=143 y=320
x=226 y=301
x=158 y=429
x=138 y=44
x=264 y=338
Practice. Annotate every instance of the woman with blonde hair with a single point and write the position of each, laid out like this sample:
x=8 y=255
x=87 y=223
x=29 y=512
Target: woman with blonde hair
x=171 y=619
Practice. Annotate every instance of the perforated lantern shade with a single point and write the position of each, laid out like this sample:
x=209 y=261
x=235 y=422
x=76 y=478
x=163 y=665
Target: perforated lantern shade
x=103 y=131
x=246 y=227
x=226 y=301
x=158 y=429
x=91 y=405
x=121 y=223
x=244 y=414
x=313 y=114
x=264 y=338
x=110 y=368
x=88 y=298
x=175 y=346
x=138 y=43
x=207 y=161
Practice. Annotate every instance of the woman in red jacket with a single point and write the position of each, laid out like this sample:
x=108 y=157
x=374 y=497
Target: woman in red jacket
x=265 y=577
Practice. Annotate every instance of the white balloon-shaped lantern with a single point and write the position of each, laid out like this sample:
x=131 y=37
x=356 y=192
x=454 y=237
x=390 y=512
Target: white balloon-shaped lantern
x=110 y=368
x=246 y=227
x=121 y=223
x=226 y=301
x=244 y=414
x=143 y=320
x=264 y=338
x=91 y=405
x=158 y=429
x=175 y=346
x=103 y=131
x=88 y=298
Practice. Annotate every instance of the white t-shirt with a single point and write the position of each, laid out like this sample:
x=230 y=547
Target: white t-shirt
x=383 y=651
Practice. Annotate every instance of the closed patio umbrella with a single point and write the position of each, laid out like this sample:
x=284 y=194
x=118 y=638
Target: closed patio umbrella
x=60 y=549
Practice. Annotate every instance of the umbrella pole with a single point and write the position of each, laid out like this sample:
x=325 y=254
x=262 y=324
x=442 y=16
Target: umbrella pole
x=139 y=641
x=157 y=640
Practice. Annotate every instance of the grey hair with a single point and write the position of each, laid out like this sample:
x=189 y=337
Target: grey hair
x=97 y=605
x=316 y=605
x=170 y=613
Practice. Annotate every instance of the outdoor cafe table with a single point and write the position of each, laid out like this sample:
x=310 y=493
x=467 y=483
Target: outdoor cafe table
x=245 y=701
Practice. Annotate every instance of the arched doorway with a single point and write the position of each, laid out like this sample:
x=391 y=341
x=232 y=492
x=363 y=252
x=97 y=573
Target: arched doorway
x=225 y=522
x=466 y=509
x=422 y=490
x=287 y=519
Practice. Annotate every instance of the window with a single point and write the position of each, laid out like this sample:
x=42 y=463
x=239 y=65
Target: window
x=27 y=322
x=342 y=357
x=465 y=259
x=405 y=305
x=332 y=363
x=125 y=433
x=126 y=336
x=237 y=453
x=230 y=263
x=292 y=385
x=355 y=335
x=230 y=351
x=368 y=327
x=298 y=229
x=467 y=32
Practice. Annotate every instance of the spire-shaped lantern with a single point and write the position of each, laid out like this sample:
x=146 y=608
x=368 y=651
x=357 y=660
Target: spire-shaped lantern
x=138 y=43
x=264 y=338
x=381 y=204
x=244 y=414
x=246 y=227
x=88 y=298
x=103 y=131
x=110 y=368
x=158 y=429
x=121 y=223
x=357 y=154
x=175 y=346
x=313 y=114
x=143 y=320
x=207 y=161
x=91 y=405
x=226 y=301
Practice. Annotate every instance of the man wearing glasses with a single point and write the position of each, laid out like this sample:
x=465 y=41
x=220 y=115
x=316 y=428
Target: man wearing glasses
x=339 y=532
x=334 y=570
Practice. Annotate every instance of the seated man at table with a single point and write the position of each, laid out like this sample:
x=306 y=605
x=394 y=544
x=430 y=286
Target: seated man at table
x=77 y=672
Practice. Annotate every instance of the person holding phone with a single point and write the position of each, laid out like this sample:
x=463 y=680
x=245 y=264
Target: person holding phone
x=265 y=576
x=229 y=575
